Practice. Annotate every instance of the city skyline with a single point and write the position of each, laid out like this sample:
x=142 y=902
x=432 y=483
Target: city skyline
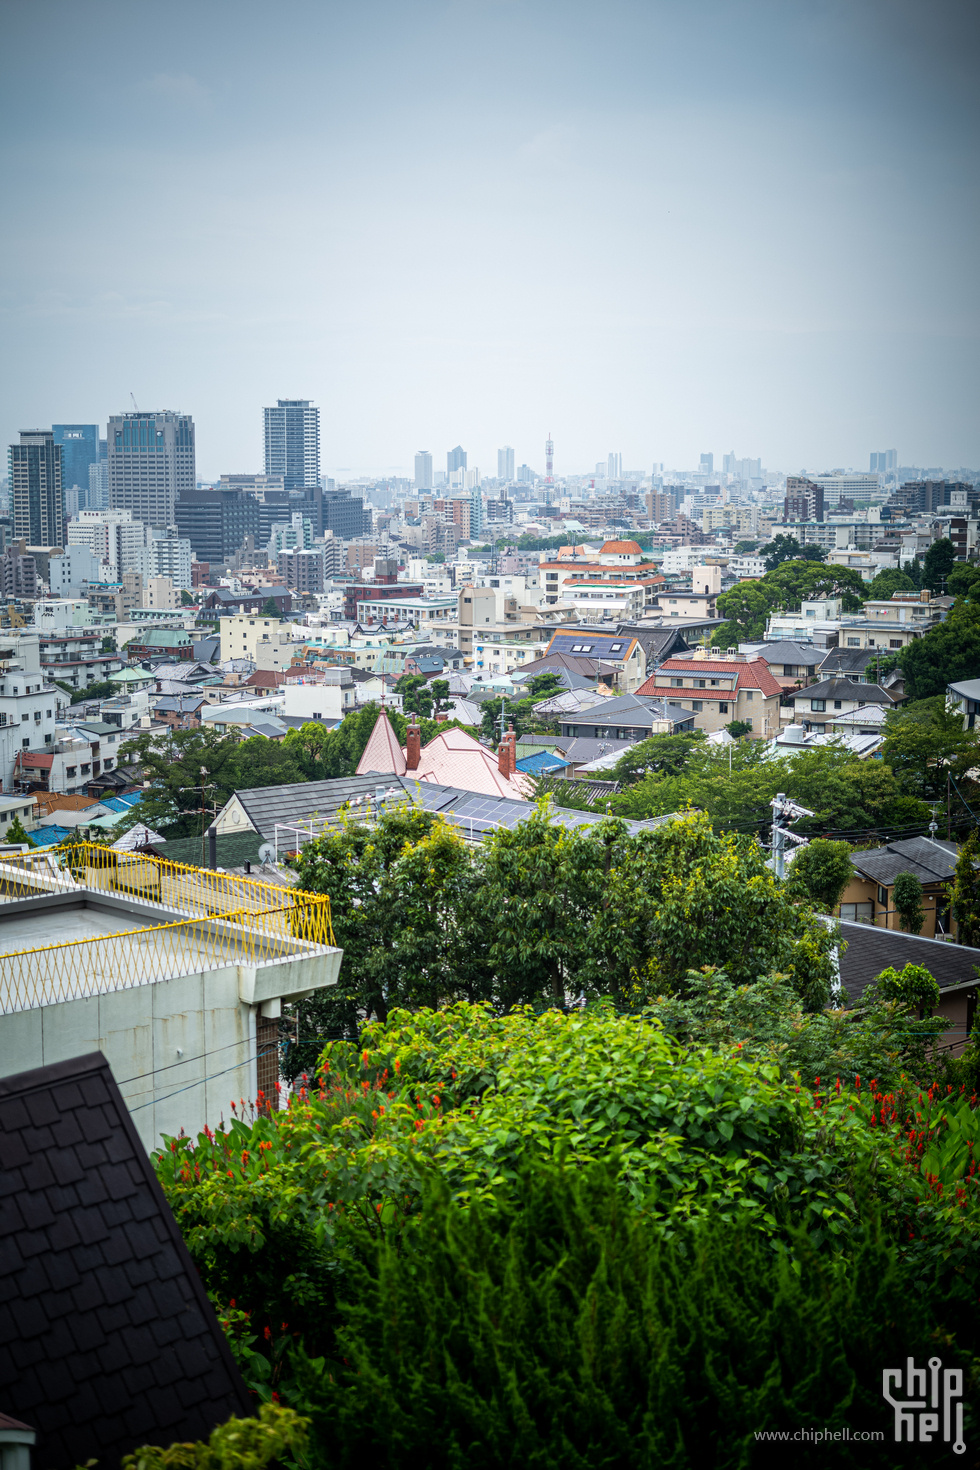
x=780 y=252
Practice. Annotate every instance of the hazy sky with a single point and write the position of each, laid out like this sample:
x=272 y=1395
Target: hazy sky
x=657 y=228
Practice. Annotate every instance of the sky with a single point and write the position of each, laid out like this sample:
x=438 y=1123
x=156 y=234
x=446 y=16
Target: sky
x=654 y=227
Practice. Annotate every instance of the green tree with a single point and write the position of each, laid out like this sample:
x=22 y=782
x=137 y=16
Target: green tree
x=890 y=580
x=440 y=694
x=744 y=548
x=811 y=552
x=186 y=600
x=793 y=582
x=949 y=652
x=781 y=548
x=822 y=870
x=907 y=895
x=173 y=761
x=745 y=609
x=925 y=743
x=913 y=985
x=960 y=581
x=269 y=609
x=965 y=891
x=17 y=832
x=660 y=755
x=939 y=562
x=738 y=728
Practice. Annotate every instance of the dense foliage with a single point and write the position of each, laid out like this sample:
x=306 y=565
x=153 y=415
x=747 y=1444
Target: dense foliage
x=791 y=578
x=542 y=913
x=948 y=653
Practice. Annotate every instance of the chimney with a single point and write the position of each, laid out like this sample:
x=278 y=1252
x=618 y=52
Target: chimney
x=503 y=756
x=413 y=746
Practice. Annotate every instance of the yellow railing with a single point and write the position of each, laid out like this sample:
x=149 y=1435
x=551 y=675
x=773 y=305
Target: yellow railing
x=178 y=886
x=133 y=957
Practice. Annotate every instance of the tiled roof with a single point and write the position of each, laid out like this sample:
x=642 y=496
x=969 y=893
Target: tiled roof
x=49 y=801
x=107 y=1339
x=633 y=547
x=382 y=752
x=36 y=760
x=753 y=673
x=847 y=689
x=928 y=860
x=871 y=949
x=48 y=836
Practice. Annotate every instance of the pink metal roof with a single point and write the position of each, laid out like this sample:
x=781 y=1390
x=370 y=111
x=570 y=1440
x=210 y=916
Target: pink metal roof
x=382 y=752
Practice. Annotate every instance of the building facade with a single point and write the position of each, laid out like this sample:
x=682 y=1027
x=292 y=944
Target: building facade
x=216 y=522
x=151 y=464
x=292 y=442
x=36 y=495
x=505 y=463
x=79 y=452
x=423 y=470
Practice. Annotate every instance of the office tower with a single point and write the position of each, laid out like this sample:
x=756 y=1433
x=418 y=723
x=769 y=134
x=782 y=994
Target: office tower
x=216 y=522
x=804 y=500
x=151 y=463
x=472 y=478
x=707 y=464
x=614 y=467
x=505 y=464
x=292 y=442
x=884 y=463
x=36 y=496
x=456 y=459
x=79 y=452
x=729 y=464
x=525 y=475
x=423 y=470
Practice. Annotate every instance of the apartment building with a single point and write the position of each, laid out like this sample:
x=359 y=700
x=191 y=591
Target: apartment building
x=718 y=690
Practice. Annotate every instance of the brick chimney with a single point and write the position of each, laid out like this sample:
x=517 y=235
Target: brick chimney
x=503 y=756
x=413 y=746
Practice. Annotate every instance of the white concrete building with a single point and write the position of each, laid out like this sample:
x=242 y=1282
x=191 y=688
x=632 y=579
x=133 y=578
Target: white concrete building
x=29 y=704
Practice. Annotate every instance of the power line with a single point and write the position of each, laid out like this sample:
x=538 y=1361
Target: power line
x=200 y=1082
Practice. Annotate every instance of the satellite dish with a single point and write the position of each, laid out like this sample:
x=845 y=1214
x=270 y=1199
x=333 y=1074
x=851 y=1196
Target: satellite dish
x=267 y=853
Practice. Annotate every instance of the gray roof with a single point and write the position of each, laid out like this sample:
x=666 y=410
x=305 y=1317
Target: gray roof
x=847 y=689
x=785 y=651
x=871 y=950
x=928 y=860
x=966 y=688
x=633 y=710
x=657 y=643
x=476 y=815
x=583 y=748
x=850 y=661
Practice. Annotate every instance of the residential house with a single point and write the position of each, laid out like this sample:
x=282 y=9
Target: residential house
x=159 y=644
x=451 y=758
x=791 y=664
x=868 y=949
x=622 y=650
x=869 y=897
x=629 y=717
x=718 y=690
x=965 y=697
x=819 y=705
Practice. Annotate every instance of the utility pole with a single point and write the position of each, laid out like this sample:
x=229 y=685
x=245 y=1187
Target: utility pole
x=783 y=809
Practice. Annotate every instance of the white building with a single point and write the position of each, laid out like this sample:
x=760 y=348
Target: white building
x=169 y=556
x=77 y=565
x=28 y=703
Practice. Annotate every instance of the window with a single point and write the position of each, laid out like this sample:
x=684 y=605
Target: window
x=697 y=705
x=71 y=771
x=749 y=695
x=700 y=684
x=723 y=708
x=677 y=683
x=24 y=717
x=25 y=743
x=894 y=643
x=838 y=704
x=818 y=705
x=883 y=895
x=818 y=729
x=858 y=913
x=854 y=643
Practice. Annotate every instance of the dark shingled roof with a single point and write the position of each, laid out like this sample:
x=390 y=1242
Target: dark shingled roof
x=107 y=1339
x=871 y=950
x=925 y=858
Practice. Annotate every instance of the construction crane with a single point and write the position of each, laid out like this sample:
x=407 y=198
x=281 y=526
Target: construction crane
x=135 y=404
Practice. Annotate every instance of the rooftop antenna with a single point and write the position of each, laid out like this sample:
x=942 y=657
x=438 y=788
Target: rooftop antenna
x=135 y=404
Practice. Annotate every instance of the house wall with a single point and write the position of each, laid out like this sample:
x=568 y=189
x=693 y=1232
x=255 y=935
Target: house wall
x=884 y=915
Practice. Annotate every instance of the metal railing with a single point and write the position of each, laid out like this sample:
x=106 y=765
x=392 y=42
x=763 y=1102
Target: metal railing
x=129 y=958
x=276 y=908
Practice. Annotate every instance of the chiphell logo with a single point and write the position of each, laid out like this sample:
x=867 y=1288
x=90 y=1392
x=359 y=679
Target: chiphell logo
x=932 y=1402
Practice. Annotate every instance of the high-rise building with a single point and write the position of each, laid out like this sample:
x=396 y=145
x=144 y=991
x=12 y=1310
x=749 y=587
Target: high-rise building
x=216 y=522
x=292 y=442
x=804 y=500
x=79 y=452
x=505 y=464
x=423 y=470
x=476 y=511
x=151 y=463
x=614 y=467
x=456 y=459
x=525 y=475
x=707 y=464
x=37 y=501
x=885 y=462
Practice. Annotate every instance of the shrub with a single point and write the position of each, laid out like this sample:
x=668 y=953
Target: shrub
x=239 y=1444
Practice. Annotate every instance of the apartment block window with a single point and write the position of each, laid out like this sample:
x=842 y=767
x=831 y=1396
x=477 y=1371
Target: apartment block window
x=700 y=684
x=25 y=744
x=24 y=718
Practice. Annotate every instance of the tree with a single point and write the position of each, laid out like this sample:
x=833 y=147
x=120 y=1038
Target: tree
x=793 y=582
x=811 y=552
x=890 y=580
x=907 y=894
x=822 y=870
x=440 y=694
x=746 y=611
x=744 y=548
x=960 y=581
x=269 y=609
x=186 y=600
x=925 y=743
x=661 y=755
x=437 y=556
x=17 y=832
x=949 y=652
x=964 y=892
x=913 y=986
x=939 y=562
x=779 y=549
x=738 y=728
x=172 y=761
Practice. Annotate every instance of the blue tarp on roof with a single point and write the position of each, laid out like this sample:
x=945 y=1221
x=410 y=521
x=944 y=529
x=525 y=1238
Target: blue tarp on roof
x=538 y=765
x=48 y=836
x=122 y=803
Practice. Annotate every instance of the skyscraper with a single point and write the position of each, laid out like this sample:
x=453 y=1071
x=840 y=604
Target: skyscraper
x=614 y=467
x=79 y=451
x=292 y=442
x=36 y=496
x=505 y=463
x=707 y=464
x=476 y=511
x=423 y=470
x=456 y=459
x=885 y=462
x=151 y=463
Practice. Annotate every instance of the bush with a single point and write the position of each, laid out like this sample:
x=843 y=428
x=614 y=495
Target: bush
x=239 y=1444
x=554 y=1327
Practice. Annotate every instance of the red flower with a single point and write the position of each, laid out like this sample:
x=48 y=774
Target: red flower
x=267 y=1333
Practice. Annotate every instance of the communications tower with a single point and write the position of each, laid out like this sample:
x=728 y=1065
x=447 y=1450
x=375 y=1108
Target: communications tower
x=549 y=460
